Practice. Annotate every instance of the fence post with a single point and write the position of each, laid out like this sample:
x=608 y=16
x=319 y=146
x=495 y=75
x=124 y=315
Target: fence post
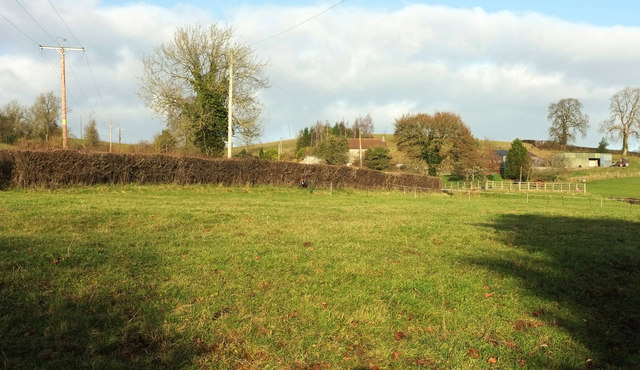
x=585 y=188
x=415 y=192
x=331 y=189
x=404 y=190
x=469 y=195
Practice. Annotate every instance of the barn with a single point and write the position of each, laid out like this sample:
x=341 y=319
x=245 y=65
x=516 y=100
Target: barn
x=586 y=160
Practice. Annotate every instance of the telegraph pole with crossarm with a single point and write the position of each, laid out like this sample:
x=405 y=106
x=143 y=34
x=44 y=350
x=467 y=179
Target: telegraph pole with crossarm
x=62 y=50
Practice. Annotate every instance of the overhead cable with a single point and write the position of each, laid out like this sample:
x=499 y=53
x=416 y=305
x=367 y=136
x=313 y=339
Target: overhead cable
x=18 y=28
x=38 y=23
x=299 y=24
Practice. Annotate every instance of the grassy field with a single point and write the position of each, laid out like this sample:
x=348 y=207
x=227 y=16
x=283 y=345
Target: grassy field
x=627 y=187
x=203 y=276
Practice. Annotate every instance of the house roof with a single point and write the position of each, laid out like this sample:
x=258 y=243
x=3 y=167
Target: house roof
x=366 y=143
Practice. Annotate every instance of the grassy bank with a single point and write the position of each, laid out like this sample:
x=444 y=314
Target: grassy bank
x=168 y=276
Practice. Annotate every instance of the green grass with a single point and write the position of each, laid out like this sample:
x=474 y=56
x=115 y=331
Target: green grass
x=203 y=276
x=627 y=187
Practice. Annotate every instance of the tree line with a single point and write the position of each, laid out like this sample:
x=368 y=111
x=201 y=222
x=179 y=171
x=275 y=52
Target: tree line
x=568 y=121
x=329 y=143
x=37 y=121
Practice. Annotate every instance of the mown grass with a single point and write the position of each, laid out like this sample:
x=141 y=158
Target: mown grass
x=625 y=187
x=202 y=276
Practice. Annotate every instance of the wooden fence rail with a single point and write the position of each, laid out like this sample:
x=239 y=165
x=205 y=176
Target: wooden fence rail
x=542 y=186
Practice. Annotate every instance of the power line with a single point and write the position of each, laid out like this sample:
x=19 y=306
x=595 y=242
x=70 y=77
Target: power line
x=88 y=65
x=93 y=78
x=73 y=75
x=18 y=28
x=299 y=24
x=38 y=23
x=65 y=23
x=295 y=97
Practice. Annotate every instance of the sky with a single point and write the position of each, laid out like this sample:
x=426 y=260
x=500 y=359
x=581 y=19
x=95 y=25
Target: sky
x=497 y=64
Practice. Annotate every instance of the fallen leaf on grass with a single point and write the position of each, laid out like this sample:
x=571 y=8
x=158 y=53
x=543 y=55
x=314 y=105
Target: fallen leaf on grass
x=521 y=325
x=373 y=367
x=489 y=295
x=425 y=362
x=399 y=335
x=492 y=360
x=522 y=362
x=474 y=353
x=258 y=257
x=396 y=355
x=306 y=244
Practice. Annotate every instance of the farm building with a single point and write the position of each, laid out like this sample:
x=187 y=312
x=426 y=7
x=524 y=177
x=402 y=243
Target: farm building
x=587 y=159
x=355 y=152
x=535 y=160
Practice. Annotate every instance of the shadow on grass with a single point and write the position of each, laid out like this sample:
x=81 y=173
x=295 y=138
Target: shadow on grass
x=82 y=310
x=590 y=267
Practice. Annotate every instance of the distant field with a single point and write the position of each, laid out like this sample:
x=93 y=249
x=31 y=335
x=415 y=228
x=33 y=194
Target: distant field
x=204 y=276
x=627 y=187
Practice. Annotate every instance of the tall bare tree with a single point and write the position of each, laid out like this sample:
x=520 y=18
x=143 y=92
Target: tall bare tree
x=567 y=119
x=624 y=121
x=363 y=126
x=43 y=116
x=186 y=81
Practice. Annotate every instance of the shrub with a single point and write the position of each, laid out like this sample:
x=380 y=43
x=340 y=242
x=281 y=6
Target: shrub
x=302 y=152
x=91 y=136
x=165 y=141
x=270 y=153
x=377 y=158
x=243 y=154
x=333 y=149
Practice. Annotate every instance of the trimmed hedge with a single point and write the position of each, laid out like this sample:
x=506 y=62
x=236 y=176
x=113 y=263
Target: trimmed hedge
x=50 y=169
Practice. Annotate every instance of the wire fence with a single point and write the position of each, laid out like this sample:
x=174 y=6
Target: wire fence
x=565 y=194
x=502 y=186
x=535 y=197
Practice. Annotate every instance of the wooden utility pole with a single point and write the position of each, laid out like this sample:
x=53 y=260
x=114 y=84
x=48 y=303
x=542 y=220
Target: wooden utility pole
x=360 y=145
x=230 y=115
x=62 y=50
